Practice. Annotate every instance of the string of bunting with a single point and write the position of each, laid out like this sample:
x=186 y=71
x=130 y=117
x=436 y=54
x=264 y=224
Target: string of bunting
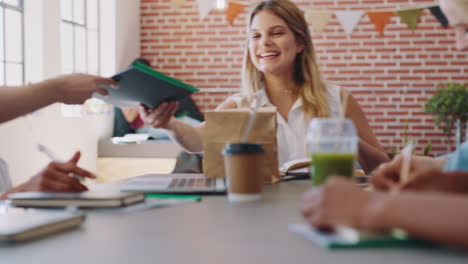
x=319 y=18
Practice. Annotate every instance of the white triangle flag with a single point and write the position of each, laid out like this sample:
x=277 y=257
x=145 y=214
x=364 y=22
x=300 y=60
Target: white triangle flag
x=204 y=7
x=349 y=19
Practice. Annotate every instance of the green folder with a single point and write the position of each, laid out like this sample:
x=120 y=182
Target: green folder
x=196 y=198
x=142 y=84
x=346 y=237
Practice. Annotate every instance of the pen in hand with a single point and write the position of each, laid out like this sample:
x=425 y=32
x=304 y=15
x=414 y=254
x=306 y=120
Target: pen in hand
x=405 y=167
x=53 y=157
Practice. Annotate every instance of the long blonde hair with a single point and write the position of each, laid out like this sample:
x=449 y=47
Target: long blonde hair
x=313 y=91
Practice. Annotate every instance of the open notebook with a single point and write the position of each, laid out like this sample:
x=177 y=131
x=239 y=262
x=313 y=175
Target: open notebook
x=345 y=237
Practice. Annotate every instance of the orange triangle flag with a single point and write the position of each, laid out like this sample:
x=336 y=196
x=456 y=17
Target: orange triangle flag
x=233 y=10
x=380 y=20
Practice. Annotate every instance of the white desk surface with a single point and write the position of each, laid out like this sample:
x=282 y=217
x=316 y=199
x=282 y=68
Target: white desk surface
x=212 y=231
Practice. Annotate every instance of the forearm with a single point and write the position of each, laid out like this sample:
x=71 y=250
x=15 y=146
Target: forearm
x=187 y=136
x=18 y=101
x=370 y=157
x=437 y=217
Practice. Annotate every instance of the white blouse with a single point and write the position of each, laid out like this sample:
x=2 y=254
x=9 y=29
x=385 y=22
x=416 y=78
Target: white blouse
x=291 y=134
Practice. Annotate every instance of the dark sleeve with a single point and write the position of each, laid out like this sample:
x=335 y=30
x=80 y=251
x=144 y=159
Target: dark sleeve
x=121 y=126
x=188 y=106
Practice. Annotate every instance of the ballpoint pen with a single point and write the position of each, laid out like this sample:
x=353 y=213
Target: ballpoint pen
x=405 y=167
x=53 y=157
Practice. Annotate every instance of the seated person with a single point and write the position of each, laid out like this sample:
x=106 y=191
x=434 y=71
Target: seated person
x=127 y=121
x=280 y=67
x=68 y=89
x=188 y=112
x=435 y=206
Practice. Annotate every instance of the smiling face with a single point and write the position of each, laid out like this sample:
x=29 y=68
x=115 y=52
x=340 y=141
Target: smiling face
x=456 y=12
x=272 y=45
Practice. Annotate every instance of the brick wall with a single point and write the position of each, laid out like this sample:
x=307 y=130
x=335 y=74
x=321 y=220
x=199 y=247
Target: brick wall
x=391 y=76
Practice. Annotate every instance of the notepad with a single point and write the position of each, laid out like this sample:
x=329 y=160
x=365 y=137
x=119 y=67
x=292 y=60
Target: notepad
x=85 y=199
x=18 y=227
x=140 y=84
x=346 y=237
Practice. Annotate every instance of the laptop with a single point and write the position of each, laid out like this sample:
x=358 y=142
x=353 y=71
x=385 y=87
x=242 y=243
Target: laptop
x=178 y=183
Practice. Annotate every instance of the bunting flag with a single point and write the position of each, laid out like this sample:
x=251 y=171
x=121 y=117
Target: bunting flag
x=435 y=10
x=349 y=19
x=233 y=10
x=410 y=17
x=204 y=7
x=177 y=3
x=318 y=19
x=380 y=20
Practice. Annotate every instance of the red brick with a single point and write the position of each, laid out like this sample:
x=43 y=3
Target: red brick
x=378 y=70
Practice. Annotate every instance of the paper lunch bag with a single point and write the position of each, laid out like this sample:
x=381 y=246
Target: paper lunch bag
x=228 y=126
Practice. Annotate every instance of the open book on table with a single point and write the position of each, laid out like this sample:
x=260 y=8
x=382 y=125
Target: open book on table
x=297 y=168
x=300 y=169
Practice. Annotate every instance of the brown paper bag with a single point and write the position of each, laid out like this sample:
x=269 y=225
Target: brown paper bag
x=228 y=126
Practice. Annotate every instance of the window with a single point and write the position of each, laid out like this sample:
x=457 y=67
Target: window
x=11 y=42
x=80 y=36
x=80 y=49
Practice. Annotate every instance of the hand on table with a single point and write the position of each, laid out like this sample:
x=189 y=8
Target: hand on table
x=337 y=202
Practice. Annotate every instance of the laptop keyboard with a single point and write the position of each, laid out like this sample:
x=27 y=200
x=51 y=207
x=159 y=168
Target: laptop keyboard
x=183 y=183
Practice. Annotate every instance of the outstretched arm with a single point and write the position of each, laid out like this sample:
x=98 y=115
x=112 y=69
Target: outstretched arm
x=188 y=137
x=69 y=89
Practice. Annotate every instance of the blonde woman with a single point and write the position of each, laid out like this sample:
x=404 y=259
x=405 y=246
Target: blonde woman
x=280 y=66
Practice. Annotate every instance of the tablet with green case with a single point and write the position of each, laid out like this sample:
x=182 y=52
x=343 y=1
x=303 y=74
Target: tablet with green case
x=143 y=84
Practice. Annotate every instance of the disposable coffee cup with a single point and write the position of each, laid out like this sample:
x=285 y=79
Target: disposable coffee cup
x=243 y=163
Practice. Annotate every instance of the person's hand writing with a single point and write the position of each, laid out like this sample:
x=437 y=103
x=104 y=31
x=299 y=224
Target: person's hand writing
x=338 y=202
x=77 y=88
x=56 y=178
x=161 y=116
x=437 y=180
x=387 y=175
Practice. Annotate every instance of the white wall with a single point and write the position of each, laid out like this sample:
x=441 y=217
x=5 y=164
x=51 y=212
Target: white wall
x=120 y=44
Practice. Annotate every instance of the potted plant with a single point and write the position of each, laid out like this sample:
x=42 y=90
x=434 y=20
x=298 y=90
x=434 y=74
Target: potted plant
x=449 y=105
